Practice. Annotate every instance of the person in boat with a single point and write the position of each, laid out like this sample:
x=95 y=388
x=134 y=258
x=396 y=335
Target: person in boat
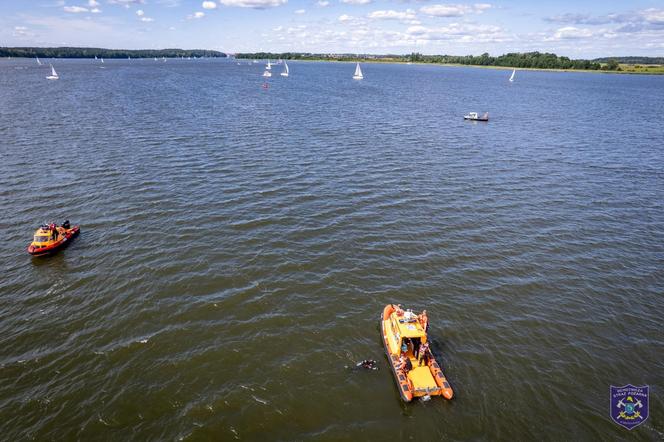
x=405 y=345
x=423 y=354
x=398 y=310
x=404 y=364
x=54 y=231
x=66 y=225
x=424 y=320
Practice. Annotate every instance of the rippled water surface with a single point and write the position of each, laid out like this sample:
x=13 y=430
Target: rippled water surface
x=238 y=245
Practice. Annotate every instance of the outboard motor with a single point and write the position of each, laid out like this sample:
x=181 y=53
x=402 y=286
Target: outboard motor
x=66 y=224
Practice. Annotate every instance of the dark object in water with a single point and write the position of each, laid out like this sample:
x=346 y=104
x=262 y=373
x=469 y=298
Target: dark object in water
x=368 y=364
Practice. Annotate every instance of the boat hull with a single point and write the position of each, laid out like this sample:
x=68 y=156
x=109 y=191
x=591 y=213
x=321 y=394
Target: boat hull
x=55 y=247
x=475 y=119
x=404 y=386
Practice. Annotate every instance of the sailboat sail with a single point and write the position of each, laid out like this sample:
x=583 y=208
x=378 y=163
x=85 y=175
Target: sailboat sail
x=512 y=76
x=269 y=66
x=285 y=72
x=358 y=73
x=54 y=75
x=38 y=62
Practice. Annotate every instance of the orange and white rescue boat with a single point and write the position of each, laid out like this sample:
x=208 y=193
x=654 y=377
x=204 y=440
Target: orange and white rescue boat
x=416 y=371
x=49 y=239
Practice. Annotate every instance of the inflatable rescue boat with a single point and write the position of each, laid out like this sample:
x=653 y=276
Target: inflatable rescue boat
x=49 y=239
x=415 y=369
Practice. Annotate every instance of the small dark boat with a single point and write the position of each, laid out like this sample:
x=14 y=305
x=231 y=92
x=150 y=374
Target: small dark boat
x=474 y=116
x=49 y=239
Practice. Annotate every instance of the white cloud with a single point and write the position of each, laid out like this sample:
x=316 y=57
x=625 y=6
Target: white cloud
x=22 y=32
x=450 y=10
x=323 y=3
x=127 y=3
x=345 y=18
x=140 y=13
x=93 y=3
x=75 y=9
x=209 y=5
x=459 y=32
x=652 y=15
x=300 y=11
x=571 y=33
x=95 y=10
x=196 y=15
x=390 y=14
x=254 y=4
x=356 y=2
x=278 y=28
x=147 y=19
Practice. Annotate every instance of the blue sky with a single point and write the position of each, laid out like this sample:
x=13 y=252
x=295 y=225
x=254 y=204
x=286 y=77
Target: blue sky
x=578 y=29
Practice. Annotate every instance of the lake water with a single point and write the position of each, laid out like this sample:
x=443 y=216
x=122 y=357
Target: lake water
x=239 y=243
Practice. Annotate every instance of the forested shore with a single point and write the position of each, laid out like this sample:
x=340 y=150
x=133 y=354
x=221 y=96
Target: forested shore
x=73 y=52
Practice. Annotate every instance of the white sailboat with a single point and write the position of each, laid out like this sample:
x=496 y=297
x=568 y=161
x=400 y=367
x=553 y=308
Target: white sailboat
x=285 y=72
x=38 y=62
x=358 y=73
x=54 y=75
x=95 y=57
x=269 y=66
x=102 y=60
x=267 y=74
x=512 y=76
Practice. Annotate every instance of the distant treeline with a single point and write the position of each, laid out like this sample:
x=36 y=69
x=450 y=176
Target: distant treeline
x=632 y=60
x=517 y=60
x=67 y=52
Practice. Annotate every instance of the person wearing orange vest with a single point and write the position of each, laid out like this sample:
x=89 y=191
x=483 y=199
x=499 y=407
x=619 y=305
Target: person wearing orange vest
x=424 y=320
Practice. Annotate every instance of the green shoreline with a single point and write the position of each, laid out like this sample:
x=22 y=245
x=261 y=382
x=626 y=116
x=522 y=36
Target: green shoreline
x=659 y=71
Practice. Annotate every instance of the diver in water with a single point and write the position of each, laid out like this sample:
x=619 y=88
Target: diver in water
x=367 y=364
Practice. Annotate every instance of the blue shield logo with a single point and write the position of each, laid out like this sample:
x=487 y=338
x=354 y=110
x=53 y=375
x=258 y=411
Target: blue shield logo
x=629 y=405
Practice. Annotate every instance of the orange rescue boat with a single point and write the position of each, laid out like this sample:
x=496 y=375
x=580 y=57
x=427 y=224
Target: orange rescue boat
x=407 y=347
x=49 y=239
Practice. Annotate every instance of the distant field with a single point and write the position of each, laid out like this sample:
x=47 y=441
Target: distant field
x=642 y=69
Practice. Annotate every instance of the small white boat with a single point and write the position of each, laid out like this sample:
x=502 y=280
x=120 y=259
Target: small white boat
x=285 y=72
x=474 y=116
x=267 y=74
x=95 y=57
x=268 y=66
x=512 y=76
x=38 y=62
x=102 y=60
x=358 y=73
x=54 y=75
